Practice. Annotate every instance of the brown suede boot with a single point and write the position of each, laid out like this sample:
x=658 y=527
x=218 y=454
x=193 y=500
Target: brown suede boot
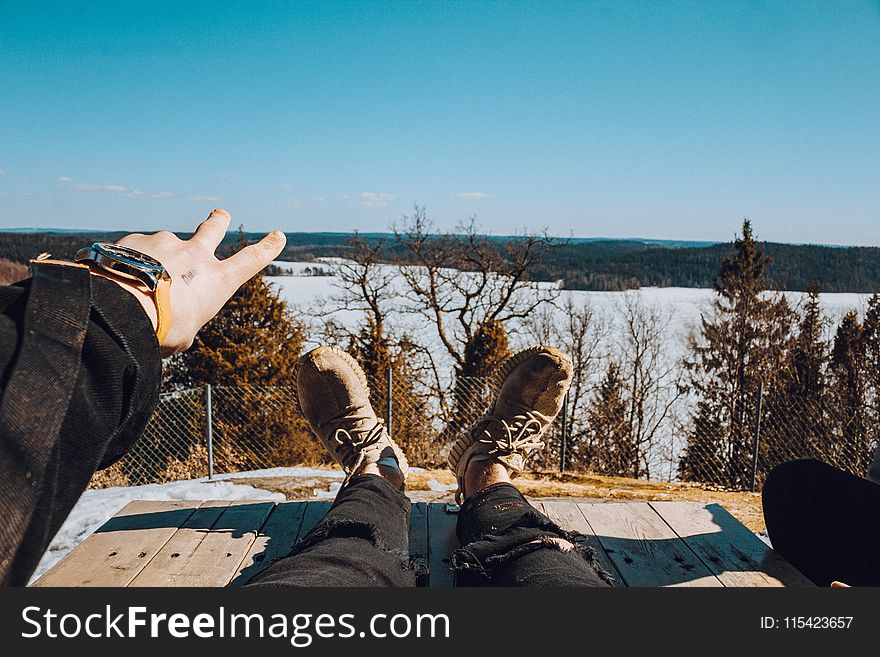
x=531 y=388
x=331 y=392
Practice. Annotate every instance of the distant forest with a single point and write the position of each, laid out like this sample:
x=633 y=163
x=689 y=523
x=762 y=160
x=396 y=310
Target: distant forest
x=604 y=265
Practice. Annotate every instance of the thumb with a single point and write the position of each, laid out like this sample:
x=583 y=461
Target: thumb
x=252 y=259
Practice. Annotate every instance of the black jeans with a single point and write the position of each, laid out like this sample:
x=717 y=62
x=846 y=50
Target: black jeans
x=826 y=522
x=364 y=541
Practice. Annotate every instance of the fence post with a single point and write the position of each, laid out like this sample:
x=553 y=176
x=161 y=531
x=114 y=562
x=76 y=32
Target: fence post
x=388 y=399
x=564 y=440
x=757 y=436
x=209 y=430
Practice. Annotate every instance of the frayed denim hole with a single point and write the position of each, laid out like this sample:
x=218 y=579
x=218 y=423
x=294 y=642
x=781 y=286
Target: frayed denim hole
x=344 y=528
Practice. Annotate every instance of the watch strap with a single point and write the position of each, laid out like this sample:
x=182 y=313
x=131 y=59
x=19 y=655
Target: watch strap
x=162 y=297
x=47 y=259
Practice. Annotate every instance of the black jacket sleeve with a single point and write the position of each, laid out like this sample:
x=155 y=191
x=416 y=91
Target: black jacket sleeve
x=79 y=378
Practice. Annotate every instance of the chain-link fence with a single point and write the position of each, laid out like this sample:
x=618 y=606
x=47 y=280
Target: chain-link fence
x=218 y=429
x=735 y=443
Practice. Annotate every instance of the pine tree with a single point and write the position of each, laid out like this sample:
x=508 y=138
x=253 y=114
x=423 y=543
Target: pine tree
x=743 y=342
x=488 y=348
x=609 y=449
x=871 y=339
x=810 y=352
x=853 y=448
x=797 y=424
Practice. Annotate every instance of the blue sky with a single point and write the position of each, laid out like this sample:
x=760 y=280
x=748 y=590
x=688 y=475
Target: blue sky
x=652 y=119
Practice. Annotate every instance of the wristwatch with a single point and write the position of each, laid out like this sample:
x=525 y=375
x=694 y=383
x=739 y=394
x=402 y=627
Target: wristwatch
x=134 y=266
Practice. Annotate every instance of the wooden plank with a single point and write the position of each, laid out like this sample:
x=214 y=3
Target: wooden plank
x=442 y=542
x=170 y=563
x=275 y=540
x=568 y=516
x=418 y=537
x=216 y=559
x=315 y=511
x=733 y=553
x=643 y=548
x=122 y=547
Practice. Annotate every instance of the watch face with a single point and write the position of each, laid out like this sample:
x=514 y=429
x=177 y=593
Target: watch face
x=118 y=252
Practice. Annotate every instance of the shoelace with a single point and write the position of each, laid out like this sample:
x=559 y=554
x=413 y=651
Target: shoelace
x=521 y=433
x=358 y=441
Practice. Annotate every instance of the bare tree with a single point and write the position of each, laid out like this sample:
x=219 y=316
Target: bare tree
x=466 y=285
x=650 y=378
x=366 y=282
x=463 y=280
x=579 y=331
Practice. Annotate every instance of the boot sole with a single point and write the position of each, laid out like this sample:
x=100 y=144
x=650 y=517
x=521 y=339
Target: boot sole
x=461 y=445
x=346 y=357
x=349 y=360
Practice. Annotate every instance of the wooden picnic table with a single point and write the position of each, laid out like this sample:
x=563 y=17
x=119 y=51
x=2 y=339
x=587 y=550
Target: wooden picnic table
x=223 y=543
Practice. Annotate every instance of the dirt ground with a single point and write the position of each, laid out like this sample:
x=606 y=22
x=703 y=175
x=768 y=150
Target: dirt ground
x=428 y=486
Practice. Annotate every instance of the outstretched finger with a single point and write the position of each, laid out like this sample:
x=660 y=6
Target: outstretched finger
x=252 y=259
x=213 y=229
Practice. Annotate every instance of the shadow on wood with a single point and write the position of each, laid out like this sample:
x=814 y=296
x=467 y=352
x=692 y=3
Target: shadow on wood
x=226 y=543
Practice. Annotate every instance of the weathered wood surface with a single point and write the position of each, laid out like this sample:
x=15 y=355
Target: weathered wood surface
x=224 y=543
x=276 y=539
x=119 y=550
x=418 y=539
x=734 y=554
x=442 y=541
x=568 y=516
x=216 y=557
x=643 y=548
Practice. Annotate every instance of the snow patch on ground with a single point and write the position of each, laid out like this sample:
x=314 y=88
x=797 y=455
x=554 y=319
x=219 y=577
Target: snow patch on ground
x=97 y=506
x=438 y=487
x=330 y=493
x=280 y=472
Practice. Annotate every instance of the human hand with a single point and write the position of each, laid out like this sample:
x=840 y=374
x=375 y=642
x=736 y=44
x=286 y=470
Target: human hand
x=200 y=283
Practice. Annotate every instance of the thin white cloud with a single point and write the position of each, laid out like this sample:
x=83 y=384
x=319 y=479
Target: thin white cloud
x=70 y=183
x=377 y=199
x=204 y=199
x=136 y=193
x=286 y=185
x=472 y=196
x=92 y=187
x=299 y=202
x=2 y=173
x=67 y=181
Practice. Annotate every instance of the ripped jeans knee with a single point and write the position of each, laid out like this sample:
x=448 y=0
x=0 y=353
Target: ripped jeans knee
x=506 y=540
x=343 y=528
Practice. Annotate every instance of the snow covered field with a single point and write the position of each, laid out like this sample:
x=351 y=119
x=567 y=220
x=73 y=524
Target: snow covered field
x=684 y=305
